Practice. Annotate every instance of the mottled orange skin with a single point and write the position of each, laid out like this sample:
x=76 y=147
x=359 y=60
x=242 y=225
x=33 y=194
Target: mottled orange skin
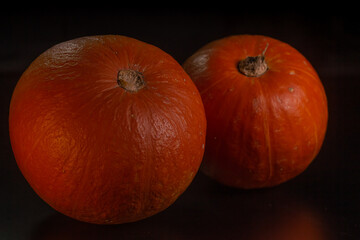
x=262 y=131
x=96 y=152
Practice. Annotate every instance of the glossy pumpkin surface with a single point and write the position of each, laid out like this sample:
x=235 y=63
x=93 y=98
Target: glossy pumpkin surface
x=97 y=149
x=262 y=130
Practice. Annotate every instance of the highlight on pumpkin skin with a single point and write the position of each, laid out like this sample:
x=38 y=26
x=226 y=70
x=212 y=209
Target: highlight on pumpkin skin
x=267 y=115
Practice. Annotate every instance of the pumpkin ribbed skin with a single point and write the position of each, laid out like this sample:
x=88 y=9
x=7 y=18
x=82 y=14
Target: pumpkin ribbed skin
x=263 y=130
x=95 y=151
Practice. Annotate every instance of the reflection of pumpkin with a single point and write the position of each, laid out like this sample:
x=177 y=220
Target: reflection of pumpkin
x=289 y=224
x=107 y=129
x=266 y=110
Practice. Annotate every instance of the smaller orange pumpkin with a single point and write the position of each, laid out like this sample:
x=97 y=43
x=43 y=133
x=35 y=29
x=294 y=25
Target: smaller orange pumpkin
x=266 y=110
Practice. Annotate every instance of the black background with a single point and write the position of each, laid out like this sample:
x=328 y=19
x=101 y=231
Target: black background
x=327 y=194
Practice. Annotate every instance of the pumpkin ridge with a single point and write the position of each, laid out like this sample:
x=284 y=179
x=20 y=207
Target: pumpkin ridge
x=266 y=128
x=315 y=130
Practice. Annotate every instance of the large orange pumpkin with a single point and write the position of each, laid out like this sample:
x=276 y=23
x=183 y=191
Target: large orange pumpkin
x=265 y=106
x=107 y=129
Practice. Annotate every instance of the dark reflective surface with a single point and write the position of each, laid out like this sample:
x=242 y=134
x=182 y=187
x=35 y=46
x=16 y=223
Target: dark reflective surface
x=322 y=203
x=216 y=214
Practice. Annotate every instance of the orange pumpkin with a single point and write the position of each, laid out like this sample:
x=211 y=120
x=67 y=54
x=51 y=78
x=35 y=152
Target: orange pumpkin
x=266 y=110
x=107 y=129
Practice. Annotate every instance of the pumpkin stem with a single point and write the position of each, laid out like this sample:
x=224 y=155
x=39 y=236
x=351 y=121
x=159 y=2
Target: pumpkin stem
x=130 y=80
x=254 y=66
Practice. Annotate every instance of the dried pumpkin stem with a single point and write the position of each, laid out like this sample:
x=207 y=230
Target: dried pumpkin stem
x=130 y=80
x=254 y=66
